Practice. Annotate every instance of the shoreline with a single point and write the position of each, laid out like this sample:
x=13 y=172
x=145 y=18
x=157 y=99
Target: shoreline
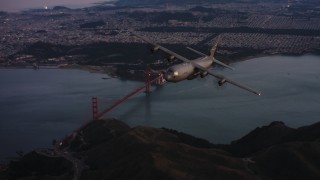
x=111 y=70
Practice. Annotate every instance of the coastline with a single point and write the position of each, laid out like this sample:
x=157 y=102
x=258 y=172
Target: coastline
x=89 y=68
x=122 y=73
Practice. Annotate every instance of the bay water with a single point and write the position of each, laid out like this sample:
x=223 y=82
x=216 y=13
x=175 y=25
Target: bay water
x=37 y=106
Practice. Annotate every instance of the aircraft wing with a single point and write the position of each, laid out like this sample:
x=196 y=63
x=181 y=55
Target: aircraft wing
x=223 y=79
x=163 y=49
x=214 y=60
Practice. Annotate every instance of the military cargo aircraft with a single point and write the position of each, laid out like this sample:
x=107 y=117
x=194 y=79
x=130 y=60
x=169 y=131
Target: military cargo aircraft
x=190 y=69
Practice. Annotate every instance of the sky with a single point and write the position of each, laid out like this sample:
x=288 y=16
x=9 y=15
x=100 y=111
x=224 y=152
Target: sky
x=18 y=5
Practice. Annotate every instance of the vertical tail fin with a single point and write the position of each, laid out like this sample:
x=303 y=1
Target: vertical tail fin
x=214 y=48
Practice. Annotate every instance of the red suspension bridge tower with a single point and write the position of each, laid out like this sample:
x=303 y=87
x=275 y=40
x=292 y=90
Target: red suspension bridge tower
x=95 y=109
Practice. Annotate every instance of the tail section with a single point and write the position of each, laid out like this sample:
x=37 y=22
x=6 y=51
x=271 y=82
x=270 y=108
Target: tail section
x=213 y=51
x=214 y=48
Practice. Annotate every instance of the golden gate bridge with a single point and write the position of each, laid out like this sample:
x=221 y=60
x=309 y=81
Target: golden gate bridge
x=96 y=114
x=159 y=80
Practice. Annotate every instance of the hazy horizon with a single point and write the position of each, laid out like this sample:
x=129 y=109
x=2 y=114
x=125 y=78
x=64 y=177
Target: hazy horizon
x=17 y=5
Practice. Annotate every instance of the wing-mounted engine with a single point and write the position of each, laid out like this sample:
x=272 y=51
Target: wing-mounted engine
x=154 y=49
x=222 y=81
x=204 y=74
x=195 y=75
x=171 y=58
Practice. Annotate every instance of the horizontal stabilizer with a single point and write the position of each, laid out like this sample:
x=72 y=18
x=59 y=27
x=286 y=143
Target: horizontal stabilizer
x=197 y=52
x=222 y=64
x=214 y=60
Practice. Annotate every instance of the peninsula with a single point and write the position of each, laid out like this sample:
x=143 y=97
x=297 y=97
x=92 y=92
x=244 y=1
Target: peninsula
x=98 y=37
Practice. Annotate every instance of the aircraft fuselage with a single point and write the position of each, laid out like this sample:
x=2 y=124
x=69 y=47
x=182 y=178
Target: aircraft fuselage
x=186 y=70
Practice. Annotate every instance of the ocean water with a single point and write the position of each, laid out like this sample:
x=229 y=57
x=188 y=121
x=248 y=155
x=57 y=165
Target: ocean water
x=37 y=106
